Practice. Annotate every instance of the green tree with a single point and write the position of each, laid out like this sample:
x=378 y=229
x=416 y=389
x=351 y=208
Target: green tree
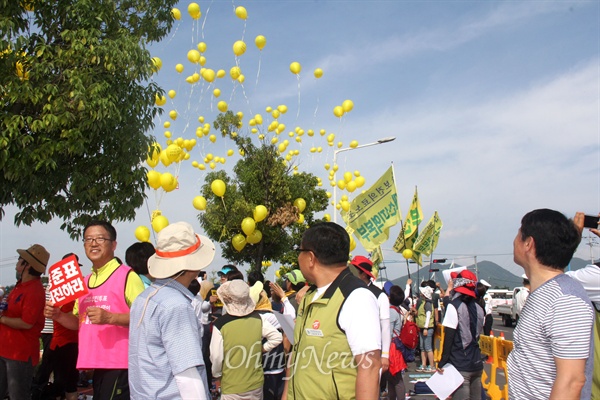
x=261 y=177
x=75 y=104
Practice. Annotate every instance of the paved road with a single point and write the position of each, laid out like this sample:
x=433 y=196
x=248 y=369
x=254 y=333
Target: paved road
x=412 y=374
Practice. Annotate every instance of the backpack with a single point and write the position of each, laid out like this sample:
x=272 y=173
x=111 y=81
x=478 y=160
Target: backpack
x=409 y=333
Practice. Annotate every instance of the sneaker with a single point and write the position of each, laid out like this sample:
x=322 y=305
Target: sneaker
x=429 y=369
x=421 y=368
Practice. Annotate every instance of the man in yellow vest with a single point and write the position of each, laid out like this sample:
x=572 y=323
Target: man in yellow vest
x=337 y=337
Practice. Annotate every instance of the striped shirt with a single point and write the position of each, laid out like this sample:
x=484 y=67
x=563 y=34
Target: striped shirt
x=556 y=321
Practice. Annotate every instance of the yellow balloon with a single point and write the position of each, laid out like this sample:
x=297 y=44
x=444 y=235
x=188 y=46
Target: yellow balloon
x=347 y=105
x=278 y=273
x=360 y=181
x=220 y=73
x=218 y=187
x=201 y=47
x=199 y=203
x=173 y=152
x=254 y=237
x=194 y=10
x=260 y=42
x=176 y=13
x=407 y=253
x=161 y=100
x=241 y=79
x=217 y=92
x=347 y=176
x=164 y=159
x=295 y=68
x=159 y=223
x=351 y=186
x=156 y=64
x=142 y=233
x=338 y=111
x=300 y=203
x=209 y=75
x=318 y=73
x=229 y=152
x=260 y=213
x=241 y=12
x=327 y=217
x=248 y=225
x=341 y=184
x=235 y=72
x=212 y=138
x=239 y=48
x=152 y=162
x=345 y=205
x=300 y=218
x=353 y=144
x=222 y=106
x=168 y=182
x=153 y=179
x=172 y=93
x=173 y=114
x=193 y=56
x=238 y=241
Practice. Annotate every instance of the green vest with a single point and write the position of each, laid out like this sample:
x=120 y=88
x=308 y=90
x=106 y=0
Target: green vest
x=242 y=353
x=322 y=365
x=422 y=315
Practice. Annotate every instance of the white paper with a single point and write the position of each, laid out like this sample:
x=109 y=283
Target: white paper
x=446 y=272
x=287 y=324
x=443 y=385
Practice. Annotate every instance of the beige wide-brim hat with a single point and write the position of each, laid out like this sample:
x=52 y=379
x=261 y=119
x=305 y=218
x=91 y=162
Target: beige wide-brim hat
x=236 y=297
x=179 y=248
x=36 y=256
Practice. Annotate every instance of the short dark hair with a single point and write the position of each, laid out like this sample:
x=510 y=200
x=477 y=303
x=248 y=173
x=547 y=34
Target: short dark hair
x=480 y=289
x=255 y=276
x=112 y=232
x=556 y=237
x=396 y=295
x=194 y=287
x=137 y=255
x=329 y=242
x=233 y=275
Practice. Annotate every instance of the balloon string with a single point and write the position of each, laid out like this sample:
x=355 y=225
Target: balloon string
x=223 y=200
x=298 y=113
x=205 y=18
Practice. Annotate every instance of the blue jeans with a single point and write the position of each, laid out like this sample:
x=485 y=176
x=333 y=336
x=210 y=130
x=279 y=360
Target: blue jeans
x=15 y=378
x=426 y=342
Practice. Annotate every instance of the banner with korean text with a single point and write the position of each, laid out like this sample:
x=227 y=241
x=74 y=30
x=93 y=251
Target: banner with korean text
x=373 y=212
x=428 y=239
x=66 y=281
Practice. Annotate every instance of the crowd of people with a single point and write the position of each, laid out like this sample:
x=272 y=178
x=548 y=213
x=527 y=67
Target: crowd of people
x=157 y=328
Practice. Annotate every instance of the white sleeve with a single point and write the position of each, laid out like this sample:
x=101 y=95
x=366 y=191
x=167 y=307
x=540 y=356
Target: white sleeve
x=384 y=319
x=189 y=383
x=273 y=336
x=589 y=277
x=427 y=317
x=451 y=317
x=216 y=352
x=359 y=318
x=288 y=308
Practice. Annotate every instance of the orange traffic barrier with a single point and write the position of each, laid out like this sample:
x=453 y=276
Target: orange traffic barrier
x=498 y=349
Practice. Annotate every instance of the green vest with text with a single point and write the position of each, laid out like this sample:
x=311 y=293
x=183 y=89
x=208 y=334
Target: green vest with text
x=322 y=365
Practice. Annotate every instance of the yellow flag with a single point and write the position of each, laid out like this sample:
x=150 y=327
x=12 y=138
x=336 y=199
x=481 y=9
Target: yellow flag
x=376 y=259
x=411 y=226
x=428 y=239
x=373 y=212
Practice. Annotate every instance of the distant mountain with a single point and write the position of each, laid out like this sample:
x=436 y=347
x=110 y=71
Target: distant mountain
x=497 y=276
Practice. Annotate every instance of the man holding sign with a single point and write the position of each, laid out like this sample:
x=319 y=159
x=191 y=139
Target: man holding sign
x=21 y=324
x=102 y=315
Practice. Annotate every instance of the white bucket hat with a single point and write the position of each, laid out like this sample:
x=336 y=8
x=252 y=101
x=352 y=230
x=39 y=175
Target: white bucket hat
x=236 y=297
x=179 y=249
x=426 y=291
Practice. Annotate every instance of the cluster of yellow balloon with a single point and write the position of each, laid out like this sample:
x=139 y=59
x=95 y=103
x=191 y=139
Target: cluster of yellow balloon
x=204 y=77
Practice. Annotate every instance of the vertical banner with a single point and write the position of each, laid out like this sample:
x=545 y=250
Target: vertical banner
x=373 y=212
x=428 y=239
x=66 y=281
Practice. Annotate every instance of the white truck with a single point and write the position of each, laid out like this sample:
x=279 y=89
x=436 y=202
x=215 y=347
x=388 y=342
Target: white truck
x=510 y=312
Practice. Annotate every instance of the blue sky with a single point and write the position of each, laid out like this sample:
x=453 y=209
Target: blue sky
x=494 y=106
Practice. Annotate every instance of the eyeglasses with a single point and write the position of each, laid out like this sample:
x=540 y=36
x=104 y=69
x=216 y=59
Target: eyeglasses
x=300 y=249
x=98 y=240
